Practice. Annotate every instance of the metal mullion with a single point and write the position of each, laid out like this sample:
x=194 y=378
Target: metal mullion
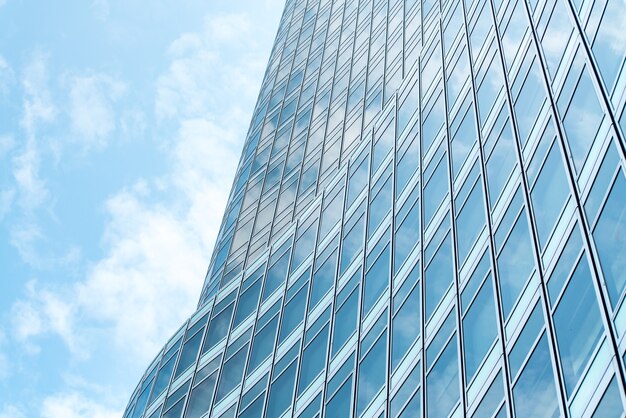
x=487 y=211
x=600 y=286
x=362 y=281
x=530 y=216
x=453 y=233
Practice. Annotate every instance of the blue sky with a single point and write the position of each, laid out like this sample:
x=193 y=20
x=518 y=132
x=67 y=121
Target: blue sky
x=121 y=123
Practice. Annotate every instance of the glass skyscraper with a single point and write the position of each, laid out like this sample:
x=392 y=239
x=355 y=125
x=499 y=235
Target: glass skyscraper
x=428 y=220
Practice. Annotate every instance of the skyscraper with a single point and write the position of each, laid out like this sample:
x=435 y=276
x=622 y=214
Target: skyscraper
x=428 y=219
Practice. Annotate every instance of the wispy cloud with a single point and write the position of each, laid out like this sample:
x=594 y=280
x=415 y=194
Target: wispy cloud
x=91 y=107
x=75 y=405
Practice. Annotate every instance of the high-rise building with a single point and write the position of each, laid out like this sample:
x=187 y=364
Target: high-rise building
x=428 y=219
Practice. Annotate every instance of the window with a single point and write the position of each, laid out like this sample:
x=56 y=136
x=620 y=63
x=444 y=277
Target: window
x=372 y=372
x=313 y=359
x=610 y=406
x=438 y=276
x=406 y=325
x=435 y=189
x=376 y=280
x=380 y=205
x=345 y=321
x=577 y=324
x=323 y=279
x=534 y=393
x=479 y=329
x=281 y=393
x=201 y=397
x=610 y=238
x=549 y=194
x=442 y=383
x=515 y=263
x=407 y=232
x=582 y=119
x=609 y=46
x=470 y=221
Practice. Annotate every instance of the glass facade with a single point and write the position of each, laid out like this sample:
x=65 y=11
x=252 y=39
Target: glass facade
x=428 y=220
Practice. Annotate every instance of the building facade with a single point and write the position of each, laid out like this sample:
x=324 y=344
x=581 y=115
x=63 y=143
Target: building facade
x=428 y=220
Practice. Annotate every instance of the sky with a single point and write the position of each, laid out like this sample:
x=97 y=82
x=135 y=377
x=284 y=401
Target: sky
x=121 y=125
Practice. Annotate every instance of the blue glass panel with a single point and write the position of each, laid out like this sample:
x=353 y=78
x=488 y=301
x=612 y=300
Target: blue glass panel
x=201 y=397
x=247 y=303
x=232 y=372
x=372 y=372
x=492 y=399
x=435 y=190
x=339 y=406
x=293 y=313
x=442 y=383
x=323 y=279
x=549 y=194
x=470 y=222
x=407 y=237
x=406 y=326
x=525 y=340
x=406 y=390
x=263 y=344
x=281 y=393
x=276 y=275
x=163 y=378
x=479 y=329
x=609 y=235
x=534 y=393
x=610 y=406
x=438 y=276
x=515 y=263
x=577 y=324
x=189 y=353
x=376 y=281
x=313 y=360
x=345 y=321
x=218 y=328
x=565 y=265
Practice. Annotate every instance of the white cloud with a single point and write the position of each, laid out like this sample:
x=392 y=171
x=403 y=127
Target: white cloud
x=75 y=405
x=157 y=250
x=11 y=411
x=91 y=112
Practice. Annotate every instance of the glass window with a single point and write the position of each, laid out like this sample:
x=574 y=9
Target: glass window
x=406 y=326
x=189 y=353
x=565 y=265
x=610 y=406
x=601 y=183
x=433 y=123
x=276 y=275
x=514 y=32
x=407 y=235
x=438 y=276
x=515 y=264
x=549 y=194
x=489 y=89
x=353 y=237
x=502 y=159
x=407 y=164
x=376 y=280
x=281 y=393
x=404 y=393
x=323 y=279
x=470 y=221
x=577 y=324
x=379 y=206
x=530 y=100
x=345 y=321
x=609 y=46
x=232 y=372
x=313 y=360
x=582 y=119
x=263 y=344
x=463 y=140
x=526 y=339
x=201 y=397
x=435 y=190
x=534 y=393
x=304 y=244
x=442 y=383
x=492 y=399
x=479 y=330
x=340 y=405
x=609 y=235
x=372 y=372
x=556 y=36
x=293 y=313
x=218 y=328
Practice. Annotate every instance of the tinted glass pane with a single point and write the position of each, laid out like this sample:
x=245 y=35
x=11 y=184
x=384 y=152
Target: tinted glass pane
x=376 y=280
x=200 y=398
x=313 y=360
x=577 y=323
x=406 y=326
x=281 y=393
x=609 y=234
x=479 y=329
x=442 y=383
x=534 y=394
x=372 y=372
x=438 y=276
x=345 y=321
